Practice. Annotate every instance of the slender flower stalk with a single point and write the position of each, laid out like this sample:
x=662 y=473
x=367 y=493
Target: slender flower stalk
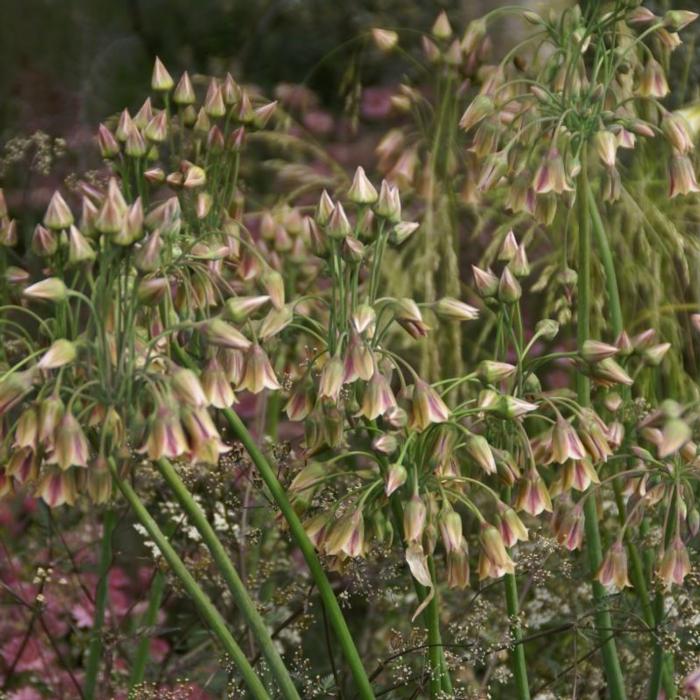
x=636 y=568
x=206 y=609
x=109 y=522
x=138 y=667
x=230 y=575
x=330 y=602
x=603 y=620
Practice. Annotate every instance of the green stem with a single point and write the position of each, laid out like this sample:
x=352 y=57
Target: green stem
x=603 y=620
x=421 y=592
x=95 y=650
x=230 y=575
x=434 y=641
x=663 y=661
x=330 y=602
x=518 y=653
x=617 y=325
x=206 y=609
x=138 y=669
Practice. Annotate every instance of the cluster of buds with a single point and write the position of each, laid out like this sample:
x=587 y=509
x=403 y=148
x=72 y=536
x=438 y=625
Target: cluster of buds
x=209 y=129
x=404 y=160
x=153 y=283
x=534 y=122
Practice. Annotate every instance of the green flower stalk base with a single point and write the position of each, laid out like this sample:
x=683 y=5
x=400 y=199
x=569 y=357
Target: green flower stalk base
x=665 y=672
x=138 y=669
x=95 y=650
x=603 y=620
x=363 y=687
x=230 y=575
x=204 y=605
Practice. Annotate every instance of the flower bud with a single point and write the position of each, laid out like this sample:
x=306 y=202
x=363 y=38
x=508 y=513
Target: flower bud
x=480 y=108
x=61 y=352
x=13 y=387
x=480 y=451
x=414 y=519
x=108 y=144
x=135 y=145
x=655 y=354
x=388 y=205
x=509 y=289
x=44 y=242
x=677 y=20
x=338 y=226
x=324 y=209
x=455 y=310
x=218 y=332
x=79 y=248
x=58 y=214
x=395 y=478
x=50 y=289
x=606 y=147
x=362 y=191
x=161 y=81
x=184 y=92
x=512 y=528
x=494 y=551
x=492 y=372
x=594 y=351
x=547 y=329
x=402 y=231
x=486 y=282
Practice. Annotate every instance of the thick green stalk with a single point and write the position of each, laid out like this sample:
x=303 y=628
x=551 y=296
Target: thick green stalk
x=206 y=609
x=95 y=650
x=362 y=685
x=617 y=325
x=138 y=669
x=518 y=653
x=230 y=575
x=603 y=620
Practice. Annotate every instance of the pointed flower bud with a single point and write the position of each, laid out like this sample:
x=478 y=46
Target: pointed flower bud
x=509 y=289
x=414 y=519
x=480 y=451
x=492 y=372
x=218 y=332
x=79 y=248
x=485 y=281
x=362 y=191
x=184 y=92
x=58 y=215
x=61 y=352
x=338 y=226
x=455 y=310
x=395 y=478
x=388 y=205
x=50 y=289
x=161 y=80
x=109 y=146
